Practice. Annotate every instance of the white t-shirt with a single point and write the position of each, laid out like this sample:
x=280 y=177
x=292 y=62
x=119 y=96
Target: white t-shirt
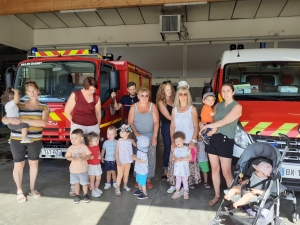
x=11 y=109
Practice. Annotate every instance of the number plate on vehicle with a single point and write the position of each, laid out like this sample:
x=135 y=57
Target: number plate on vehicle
x=290 y=171
x=51 y=152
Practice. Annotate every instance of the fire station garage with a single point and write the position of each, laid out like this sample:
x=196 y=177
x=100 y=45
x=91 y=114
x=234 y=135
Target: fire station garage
x=251 y=45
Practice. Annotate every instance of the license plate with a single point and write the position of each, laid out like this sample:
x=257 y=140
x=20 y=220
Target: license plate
x=290 y=171
x=51 y=152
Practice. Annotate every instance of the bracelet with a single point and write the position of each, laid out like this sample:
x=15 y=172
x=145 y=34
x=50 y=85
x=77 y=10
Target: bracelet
x=194 y=140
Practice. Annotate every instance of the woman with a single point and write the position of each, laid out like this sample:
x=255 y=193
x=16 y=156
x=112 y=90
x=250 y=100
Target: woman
x=220 y=149
x=165 y=102
x=185 y=119
x=86 y=107
x=144 y=120
x=35 y=114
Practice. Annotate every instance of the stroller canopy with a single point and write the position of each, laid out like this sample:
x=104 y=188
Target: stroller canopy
x=260 y=149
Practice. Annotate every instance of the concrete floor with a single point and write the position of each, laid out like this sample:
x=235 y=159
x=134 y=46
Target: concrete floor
x=56 y=207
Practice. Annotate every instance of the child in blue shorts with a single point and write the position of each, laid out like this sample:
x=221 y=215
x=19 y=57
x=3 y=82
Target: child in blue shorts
x=109 y=150
x=141 y=166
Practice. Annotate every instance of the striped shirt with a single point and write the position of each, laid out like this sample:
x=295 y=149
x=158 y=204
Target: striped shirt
x=34 y=133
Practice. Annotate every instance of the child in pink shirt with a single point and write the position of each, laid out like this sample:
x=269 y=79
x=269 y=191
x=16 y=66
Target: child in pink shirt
x=78 y=154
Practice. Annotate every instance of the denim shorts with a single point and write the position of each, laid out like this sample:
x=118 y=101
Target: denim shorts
x=141 y=179
x=81 y=178
x=110 y=165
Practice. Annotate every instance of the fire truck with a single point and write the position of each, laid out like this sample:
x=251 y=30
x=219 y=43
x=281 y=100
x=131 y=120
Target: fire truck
x=267 y=85
x=59 y=73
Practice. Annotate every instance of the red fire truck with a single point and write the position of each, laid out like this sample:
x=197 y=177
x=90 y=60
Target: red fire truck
x=267 y=85
x=58 y=73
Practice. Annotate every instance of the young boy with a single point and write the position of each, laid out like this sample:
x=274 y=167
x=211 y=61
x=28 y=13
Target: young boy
x=207 y=114
x=141 y=166
x=203 y=163
x=78 y=153
x=10 y=99
x=262 y=171
x=109 y=150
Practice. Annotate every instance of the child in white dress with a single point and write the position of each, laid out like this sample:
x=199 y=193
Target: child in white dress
x=181 y=156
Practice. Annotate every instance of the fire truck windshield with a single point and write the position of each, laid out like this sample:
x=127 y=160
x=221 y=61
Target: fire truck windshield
x=264 y=80
x=56 y=79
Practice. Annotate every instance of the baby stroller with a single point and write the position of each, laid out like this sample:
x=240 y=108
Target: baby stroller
x=263 y=209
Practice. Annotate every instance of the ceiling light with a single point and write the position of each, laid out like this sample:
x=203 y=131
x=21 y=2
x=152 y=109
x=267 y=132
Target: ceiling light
x=185 y=3
x=77 y=10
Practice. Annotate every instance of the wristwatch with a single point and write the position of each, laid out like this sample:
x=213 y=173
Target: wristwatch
x=193 y=140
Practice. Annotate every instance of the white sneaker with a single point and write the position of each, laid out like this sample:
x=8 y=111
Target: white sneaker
x=107 y=186
x=99 y=191
x=171 y=190
x=115 y=185
x=95 y=194
x=26 y=140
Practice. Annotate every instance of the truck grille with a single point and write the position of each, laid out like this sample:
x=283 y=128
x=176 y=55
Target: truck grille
x=56 y=137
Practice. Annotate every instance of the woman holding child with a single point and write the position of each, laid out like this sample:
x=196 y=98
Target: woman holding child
x=220 y=149
x=144 y=120
x=35 y=114
x=184 y=119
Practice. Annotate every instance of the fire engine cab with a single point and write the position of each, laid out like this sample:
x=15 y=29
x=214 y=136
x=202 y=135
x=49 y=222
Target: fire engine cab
x=59 y=73
x=267 y=85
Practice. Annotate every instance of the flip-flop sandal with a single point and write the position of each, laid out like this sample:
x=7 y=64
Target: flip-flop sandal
x=35 y=195
x=149 y=185
x=22 y=199
x=206 y=185
x=213 y=201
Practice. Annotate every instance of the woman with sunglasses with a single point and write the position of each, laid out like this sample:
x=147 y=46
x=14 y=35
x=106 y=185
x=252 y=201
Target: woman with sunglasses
x=165 y=103
x=35 y=114
x=185 y=119
x=144 y=120
x=86 y=107
x=220 y=149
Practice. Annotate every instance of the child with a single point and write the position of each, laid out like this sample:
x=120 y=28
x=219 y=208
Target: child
x=207 y=114
x=94 y=171
x=109 y=149
x=181 y=157
x=78 y=153
x=141 y=166
x=203 y=163
x=124 y=157
x=262 y=171
x=10 y=99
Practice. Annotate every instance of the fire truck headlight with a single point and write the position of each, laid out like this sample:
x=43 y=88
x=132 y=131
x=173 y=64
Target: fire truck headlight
x=242 y=139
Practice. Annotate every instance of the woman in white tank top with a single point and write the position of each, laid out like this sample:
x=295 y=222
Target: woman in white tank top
x=185 y=119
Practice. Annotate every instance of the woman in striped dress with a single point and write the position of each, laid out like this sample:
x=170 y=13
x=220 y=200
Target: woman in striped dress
x=35 y=114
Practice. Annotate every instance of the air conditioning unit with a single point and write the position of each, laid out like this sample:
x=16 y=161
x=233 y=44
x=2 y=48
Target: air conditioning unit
x=169 y=24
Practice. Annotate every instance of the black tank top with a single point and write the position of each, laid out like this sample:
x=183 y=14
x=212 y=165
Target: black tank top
x=163 y=119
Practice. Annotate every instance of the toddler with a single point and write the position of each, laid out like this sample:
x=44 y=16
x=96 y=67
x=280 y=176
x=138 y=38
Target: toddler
x=94 y=171
x=249 y=188
x=181 y=157
x=141 y=166
x=78 y=153
x=10 y=99
x=207 y=114
x=124 y=154
x=109 y=149
x=203 y=163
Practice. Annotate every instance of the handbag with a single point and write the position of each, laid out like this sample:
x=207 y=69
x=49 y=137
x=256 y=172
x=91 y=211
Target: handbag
x=194 y=154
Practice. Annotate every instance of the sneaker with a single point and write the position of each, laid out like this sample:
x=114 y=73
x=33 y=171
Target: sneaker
x=96 y=194
x=114 y=185
x=26 y=140
x=206 y=185
x=107 y=186
x=77 y=199
x=118 y=192
x=142 y=196
x=138 y=192
x=127 y=189
x=72 y=191
x=171 y=189
x=99 y=191
x=206 y=139
x=86 y=198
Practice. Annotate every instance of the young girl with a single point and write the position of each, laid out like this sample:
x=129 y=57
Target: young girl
x=181 y=156
x=124 y=156
x=94 y=171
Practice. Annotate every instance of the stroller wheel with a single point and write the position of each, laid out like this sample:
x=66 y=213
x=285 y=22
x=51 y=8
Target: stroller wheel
x=295 y=217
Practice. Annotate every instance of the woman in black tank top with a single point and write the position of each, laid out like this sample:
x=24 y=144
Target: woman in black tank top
x=164 y=101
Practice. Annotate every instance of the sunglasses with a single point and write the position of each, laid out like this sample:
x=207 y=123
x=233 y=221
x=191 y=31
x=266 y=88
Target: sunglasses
x=183 y=94
x=144 y=96
x=166 y=82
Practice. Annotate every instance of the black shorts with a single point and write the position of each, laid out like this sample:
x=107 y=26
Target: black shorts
x=110 y=165
x=18 y=150
x=220 y=145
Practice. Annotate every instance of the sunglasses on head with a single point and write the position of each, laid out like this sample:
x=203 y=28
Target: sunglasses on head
x=144 y=96
x=166 y=82
x=183 y=94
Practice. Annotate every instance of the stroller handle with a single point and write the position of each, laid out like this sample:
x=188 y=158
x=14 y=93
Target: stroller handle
x=285 y=137
x=286 y=149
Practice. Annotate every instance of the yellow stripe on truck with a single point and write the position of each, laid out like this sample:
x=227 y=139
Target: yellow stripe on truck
x=260 y=127
x=110 y=123
x=284 y=129
x=54 y=117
